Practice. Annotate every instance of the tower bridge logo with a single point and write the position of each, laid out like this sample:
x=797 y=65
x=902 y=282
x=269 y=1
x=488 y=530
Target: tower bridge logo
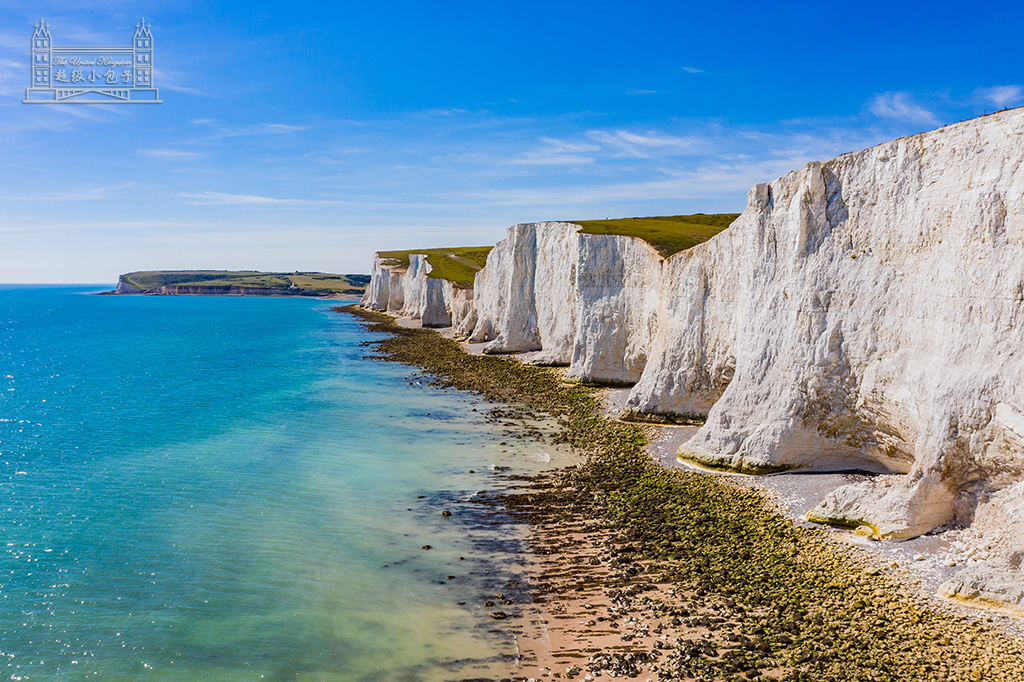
x=92 y=74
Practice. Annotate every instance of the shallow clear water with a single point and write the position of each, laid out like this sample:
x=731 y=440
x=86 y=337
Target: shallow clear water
x=223 y=489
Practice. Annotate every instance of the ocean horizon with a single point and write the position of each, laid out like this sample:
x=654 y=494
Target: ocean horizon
x=227 y=489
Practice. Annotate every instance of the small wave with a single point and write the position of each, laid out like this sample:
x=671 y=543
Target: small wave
x=472 y=495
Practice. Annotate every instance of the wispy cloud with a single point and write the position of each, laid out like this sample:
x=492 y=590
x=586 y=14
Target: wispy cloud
x=170 y=154
x=900 y=106
x=16 y=41
x=644 y=145
x=632 y=91
x=170 y=79
x=557 y=152
x=223 y=199
x=208 y=198
x=14 y=76
x=691 y=69
x=1002 y=95
x=710 y=163
x=222 y=131
x=91 y=193
x=550 y=157
x=702 y=182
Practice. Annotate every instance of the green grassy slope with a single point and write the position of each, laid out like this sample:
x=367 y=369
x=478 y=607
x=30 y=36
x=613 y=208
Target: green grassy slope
x=668 y=234
x=319 y=282
x=457 y=264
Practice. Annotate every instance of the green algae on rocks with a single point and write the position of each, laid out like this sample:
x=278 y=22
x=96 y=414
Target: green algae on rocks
x=784 y=598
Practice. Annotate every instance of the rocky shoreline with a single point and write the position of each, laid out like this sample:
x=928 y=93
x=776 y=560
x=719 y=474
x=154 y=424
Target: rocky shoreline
x=649 y=573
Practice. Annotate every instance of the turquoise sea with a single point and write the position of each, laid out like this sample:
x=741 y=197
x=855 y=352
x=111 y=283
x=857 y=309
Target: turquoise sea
x=220 y=489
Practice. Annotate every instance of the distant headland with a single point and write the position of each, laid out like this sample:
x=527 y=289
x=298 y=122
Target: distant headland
x=240 y=283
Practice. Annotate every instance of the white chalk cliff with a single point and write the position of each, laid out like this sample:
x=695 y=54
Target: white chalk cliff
x=409 y=292
x=865 y=312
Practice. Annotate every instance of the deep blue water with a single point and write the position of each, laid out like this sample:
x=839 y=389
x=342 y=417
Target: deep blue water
x=224 y=489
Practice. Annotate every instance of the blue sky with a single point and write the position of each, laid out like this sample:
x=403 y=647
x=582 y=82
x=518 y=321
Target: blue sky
x=298 y=136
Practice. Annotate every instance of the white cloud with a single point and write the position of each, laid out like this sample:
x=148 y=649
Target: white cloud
x=566 y=146
x=1002 y=95
x=16 y=41
x=557 y=152
x=632 y=91
x=644 y=145
x=690 y=69
x=282 y=128
x=92 y=193
x=167 y=79
x=550 y=157
x=170 y=154
x=220 y=198
x=222 y=132
x=658 y=140
x=208 y=198
x=14 y=77
x=899 y=106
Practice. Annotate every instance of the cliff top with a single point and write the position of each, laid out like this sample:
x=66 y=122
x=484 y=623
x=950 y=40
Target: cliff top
x=668 y=234
x=319 y=282
x=457 y=264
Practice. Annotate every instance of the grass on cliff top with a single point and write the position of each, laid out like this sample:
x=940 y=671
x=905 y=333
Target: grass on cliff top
x=668 y=234
x=457 y=264
x=319 y=282
x=771 y=594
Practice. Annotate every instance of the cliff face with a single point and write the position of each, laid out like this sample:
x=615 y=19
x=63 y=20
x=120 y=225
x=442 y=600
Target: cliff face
x=409 y=292
x=228 y=290
x=525 y=297
x=618 y=284
x=213 y=290
x=863 y=312
x=582 y=300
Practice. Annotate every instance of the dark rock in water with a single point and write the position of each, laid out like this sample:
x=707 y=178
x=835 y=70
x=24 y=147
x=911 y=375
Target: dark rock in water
x=446 y=513
x=425 y=547
x=499 y=615
x=489 y=602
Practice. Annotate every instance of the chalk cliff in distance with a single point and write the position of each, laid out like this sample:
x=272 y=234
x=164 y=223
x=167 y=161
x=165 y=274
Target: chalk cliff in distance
x=408 y=291
x=863 y=312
